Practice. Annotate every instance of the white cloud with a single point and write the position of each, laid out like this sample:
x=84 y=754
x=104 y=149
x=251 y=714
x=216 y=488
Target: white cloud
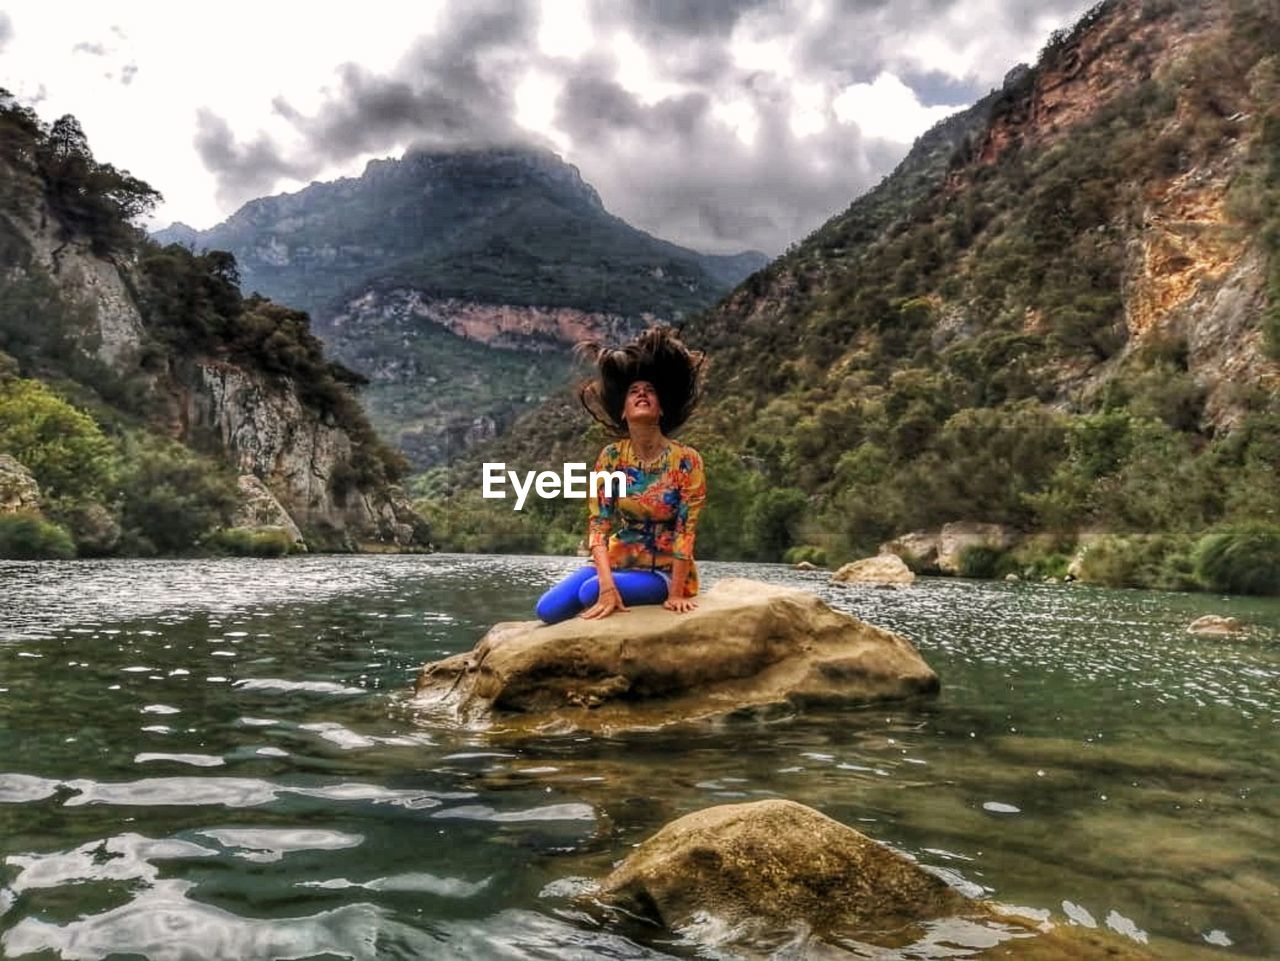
x=734 y=125
x=888 y=109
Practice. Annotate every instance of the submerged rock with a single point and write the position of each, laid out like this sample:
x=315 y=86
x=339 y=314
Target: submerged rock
x=748 y=644
x=776 y=861
x=1214 y=625
x=747 y=874
x=881 y=569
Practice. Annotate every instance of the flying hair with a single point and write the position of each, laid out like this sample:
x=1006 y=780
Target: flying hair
x=656 y=355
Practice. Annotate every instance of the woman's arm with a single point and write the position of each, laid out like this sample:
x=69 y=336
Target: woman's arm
x=693 y=495
x=599 y=526
x=610 y=598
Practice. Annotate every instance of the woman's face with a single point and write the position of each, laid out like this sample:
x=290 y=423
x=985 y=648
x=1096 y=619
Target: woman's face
x=642 y=403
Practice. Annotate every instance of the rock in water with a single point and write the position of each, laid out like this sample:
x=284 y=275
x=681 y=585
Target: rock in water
x=742 y=874
x=779 y=862
x=881 y=569
x=1214 y=625
x=747 y=644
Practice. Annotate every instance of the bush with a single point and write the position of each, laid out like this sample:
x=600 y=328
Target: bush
x=25 y=536
x=561 y=542
x=984 y=561
x=1157 y=562
x=771 y=521
x=1241 y=560
x=1042 y=555
x=170 y=497
x=254 y=541
x=806 y=552
x=62 y=447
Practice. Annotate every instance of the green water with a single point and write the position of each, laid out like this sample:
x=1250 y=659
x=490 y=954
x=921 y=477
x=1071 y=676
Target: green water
x=219 y=759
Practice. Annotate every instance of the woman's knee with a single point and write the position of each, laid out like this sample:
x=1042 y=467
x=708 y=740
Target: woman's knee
x=561 y=601
x=589 y=592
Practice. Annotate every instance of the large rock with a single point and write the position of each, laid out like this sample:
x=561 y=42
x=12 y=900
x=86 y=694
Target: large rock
x=920 y=547
x=747 y=876
x=258 y=508
x=747 y=644
x=958 y=535
x=881 y=569
x=19 y=491
x=776 y=861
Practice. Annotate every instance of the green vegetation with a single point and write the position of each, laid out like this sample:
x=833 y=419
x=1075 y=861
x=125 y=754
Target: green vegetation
x=63 y=448
x=984 y=561
x=95 y=437
x=29 y=537
x=90 y=199
x=1241 y=560
x=954 y=346
x=254 y=542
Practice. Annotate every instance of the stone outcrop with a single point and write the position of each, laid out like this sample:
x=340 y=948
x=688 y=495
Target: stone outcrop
x=938 y=551
x=498 y=325
x=259 y=509
x=748 y=875
x=958 y=535
x=266 y=431
x=19 y=491
x=885 y=569
x=748 y=644
x=920 y=546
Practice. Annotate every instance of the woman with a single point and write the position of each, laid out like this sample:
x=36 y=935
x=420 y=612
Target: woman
x=642 y=394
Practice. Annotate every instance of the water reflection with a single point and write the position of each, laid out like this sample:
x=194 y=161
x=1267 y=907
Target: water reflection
x=1087 y=759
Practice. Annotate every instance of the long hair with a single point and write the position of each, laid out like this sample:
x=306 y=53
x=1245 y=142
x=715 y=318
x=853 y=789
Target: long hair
x=656 y=355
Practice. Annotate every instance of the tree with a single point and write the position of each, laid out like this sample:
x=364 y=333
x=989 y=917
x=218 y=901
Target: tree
x=61 y=446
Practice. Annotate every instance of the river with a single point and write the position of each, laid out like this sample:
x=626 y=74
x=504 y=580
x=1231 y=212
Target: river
x=220 y=759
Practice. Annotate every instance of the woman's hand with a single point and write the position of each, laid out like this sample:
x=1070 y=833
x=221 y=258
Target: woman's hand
x=610 y=600
x=681 y=605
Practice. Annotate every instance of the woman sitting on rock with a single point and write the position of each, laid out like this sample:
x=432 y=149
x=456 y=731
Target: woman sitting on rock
x=642 y=394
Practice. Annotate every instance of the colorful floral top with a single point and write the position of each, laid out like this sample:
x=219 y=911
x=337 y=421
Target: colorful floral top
x=658 y=518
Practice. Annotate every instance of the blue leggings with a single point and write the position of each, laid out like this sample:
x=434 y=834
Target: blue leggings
x=580 y=589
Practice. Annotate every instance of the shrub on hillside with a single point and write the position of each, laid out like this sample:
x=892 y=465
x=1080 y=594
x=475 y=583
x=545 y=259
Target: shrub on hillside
x=984 y=561
x=62 y=447
x=1157 y=562
x=1244 y=559
x=26 y=536
x=802 y=553
x=170 y=497
x=254 y=541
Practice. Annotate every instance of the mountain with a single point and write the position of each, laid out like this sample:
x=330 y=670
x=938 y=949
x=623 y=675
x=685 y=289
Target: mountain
x=146 y=404
x=1059 y=315
x=456 y=281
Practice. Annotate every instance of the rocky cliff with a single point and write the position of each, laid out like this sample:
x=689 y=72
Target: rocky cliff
x=117 y=347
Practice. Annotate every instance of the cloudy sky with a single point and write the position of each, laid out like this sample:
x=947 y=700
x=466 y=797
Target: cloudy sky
x=720 y=124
